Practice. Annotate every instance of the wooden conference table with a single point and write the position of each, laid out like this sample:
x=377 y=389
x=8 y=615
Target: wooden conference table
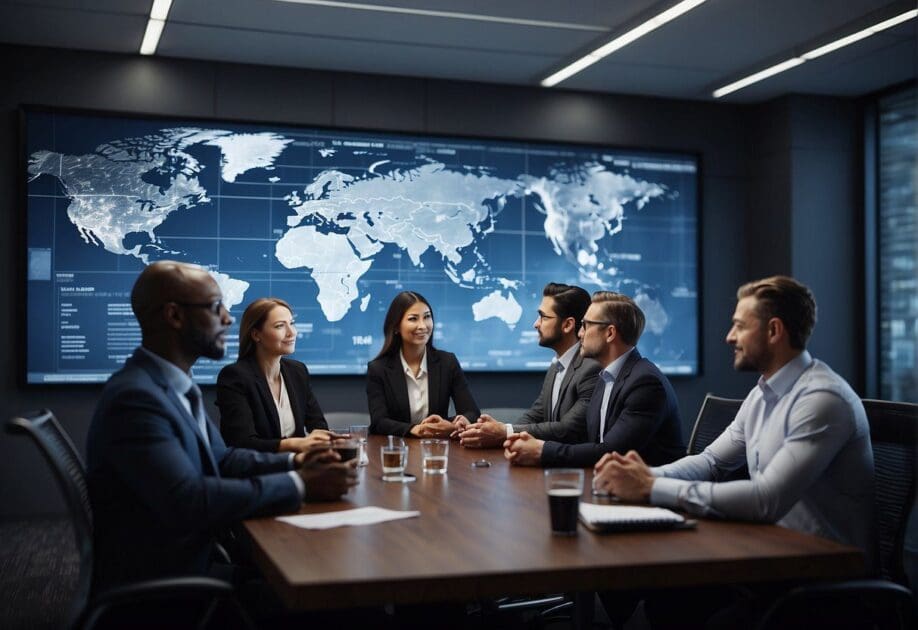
x=485 y=532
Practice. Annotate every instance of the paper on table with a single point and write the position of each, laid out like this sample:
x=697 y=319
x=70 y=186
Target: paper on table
x=358 y=516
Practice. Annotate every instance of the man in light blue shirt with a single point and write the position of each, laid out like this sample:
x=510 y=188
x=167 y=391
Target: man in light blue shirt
x=802 y=431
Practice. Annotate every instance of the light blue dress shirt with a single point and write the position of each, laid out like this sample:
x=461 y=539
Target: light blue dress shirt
x=608 y=375
x=803 y=433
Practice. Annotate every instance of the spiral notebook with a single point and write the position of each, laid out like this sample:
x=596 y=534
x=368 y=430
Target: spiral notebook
x=628 y=518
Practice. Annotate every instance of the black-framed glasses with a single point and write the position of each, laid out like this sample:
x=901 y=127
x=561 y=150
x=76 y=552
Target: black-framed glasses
x=543 y=317
x=584 y=323
x=215 y=308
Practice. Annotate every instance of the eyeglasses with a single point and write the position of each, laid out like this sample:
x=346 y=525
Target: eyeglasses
x=543 y=317
x=584 y=323
x=215 y=308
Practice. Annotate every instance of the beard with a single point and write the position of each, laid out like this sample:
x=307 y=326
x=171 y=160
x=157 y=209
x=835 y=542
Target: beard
x=745 y=362
x=207 y=345
x=549 y=341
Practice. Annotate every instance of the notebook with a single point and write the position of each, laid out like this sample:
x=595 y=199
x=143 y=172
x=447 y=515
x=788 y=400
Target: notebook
x=627 y=518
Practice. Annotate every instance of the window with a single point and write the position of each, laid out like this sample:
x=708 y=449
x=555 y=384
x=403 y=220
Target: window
x=897 y=245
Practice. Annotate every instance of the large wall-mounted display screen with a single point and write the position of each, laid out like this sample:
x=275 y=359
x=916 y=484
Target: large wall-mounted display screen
x=336 y=222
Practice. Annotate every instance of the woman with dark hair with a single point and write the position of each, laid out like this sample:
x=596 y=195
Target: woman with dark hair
x=410 y=383
x=265 y=400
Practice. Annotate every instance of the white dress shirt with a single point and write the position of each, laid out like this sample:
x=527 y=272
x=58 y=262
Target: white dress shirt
x=417 y=389
x=284 y=410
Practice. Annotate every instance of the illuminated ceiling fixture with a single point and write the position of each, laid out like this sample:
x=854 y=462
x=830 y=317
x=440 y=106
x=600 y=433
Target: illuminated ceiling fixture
x=620 y=42
x=815 y=53
x=454 y=15
x=155 y=25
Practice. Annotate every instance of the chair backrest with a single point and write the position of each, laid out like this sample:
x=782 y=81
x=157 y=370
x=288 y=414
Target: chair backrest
x=715 y=415
x=342 y=420
x=70 y=472
x=894 y=435
x=851 y=605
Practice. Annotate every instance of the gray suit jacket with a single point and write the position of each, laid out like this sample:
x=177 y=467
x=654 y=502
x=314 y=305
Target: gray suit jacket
x=569 y=423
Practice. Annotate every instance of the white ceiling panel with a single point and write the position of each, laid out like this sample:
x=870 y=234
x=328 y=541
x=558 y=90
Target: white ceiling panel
x=715 y=43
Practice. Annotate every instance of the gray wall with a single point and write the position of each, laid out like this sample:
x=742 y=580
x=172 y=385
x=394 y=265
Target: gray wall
x=752 y=159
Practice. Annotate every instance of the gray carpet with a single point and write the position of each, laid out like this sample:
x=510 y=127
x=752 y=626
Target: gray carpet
x=38 y=573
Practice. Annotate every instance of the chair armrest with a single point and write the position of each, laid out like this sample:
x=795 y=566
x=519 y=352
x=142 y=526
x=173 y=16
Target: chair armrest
x=152 y=590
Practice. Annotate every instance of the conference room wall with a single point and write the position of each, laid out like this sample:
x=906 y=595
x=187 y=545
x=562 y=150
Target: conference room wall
x=719 y=133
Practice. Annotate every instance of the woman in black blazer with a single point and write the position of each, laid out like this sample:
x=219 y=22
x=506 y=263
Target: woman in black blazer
x=407 y=363
x=265 y=400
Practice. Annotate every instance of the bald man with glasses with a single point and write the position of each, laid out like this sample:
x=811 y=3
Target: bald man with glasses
x=161 y=481
x=633 y=405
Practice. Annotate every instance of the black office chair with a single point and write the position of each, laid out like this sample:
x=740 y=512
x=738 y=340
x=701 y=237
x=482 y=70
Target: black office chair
x=714 y=417
x=869 y=604
x=86 y=612
x=852 y=605
x=894 y=435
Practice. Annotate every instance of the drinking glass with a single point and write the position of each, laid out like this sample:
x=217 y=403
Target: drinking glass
x=434 y=456
x=394 y=455
x=359 y=432
x=564 y=487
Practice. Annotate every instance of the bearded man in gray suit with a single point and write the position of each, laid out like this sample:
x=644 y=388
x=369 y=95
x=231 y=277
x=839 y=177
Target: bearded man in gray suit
x=559 y=413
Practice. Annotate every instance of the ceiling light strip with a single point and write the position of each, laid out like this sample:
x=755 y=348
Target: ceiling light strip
x=815 y=53
x=621 y=41
x=158 y=14
x=455 y=15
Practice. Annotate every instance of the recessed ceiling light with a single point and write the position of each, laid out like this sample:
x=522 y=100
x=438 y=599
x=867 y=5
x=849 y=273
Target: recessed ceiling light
x=158 y=14
x=455 y=15
x=620 y=42
x=841 y=42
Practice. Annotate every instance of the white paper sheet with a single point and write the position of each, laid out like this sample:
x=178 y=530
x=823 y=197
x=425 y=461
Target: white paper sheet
x=359 y=516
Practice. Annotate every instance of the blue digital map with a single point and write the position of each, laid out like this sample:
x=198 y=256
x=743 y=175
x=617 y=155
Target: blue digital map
x=336 y=223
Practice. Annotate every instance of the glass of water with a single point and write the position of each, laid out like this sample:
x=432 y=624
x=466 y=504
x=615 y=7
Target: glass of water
x=394 y=454
x=434 y=456
x=359 y=432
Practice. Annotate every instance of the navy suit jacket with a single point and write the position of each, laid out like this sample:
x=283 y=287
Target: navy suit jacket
x=569 y=423
x=158 y=493
x=387 y=392
x=643 y=415
x=248 y=414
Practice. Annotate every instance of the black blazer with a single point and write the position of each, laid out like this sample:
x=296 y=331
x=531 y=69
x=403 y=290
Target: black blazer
x=643 y=415
x=248 y=415
x=387 y=392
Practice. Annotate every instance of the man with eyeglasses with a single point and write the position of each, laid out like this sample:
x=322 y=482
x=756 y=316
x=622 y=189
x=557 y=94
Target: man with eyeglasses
x=633 y=406
x=161 y=480
x=559 y=413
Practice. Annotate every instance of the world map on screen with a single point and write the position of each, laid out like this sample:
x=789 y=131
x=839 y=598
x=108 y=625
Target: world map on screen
x=338 y=222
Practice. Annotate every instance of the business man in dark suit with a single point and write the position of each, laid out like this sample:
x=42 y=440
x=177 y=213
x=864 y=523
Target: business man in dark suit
x=633 y=406
x=161 y=480
x=410 y=383
x=559 y=412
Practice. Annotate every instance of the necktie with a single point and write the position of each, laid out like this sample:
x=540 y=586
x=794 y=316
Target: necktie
x=556 y=378
x=194 y=397
x=609 y=381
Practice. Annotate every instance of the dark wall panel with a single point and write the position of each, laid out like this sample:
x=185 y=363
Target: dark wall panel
x=718 y=133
